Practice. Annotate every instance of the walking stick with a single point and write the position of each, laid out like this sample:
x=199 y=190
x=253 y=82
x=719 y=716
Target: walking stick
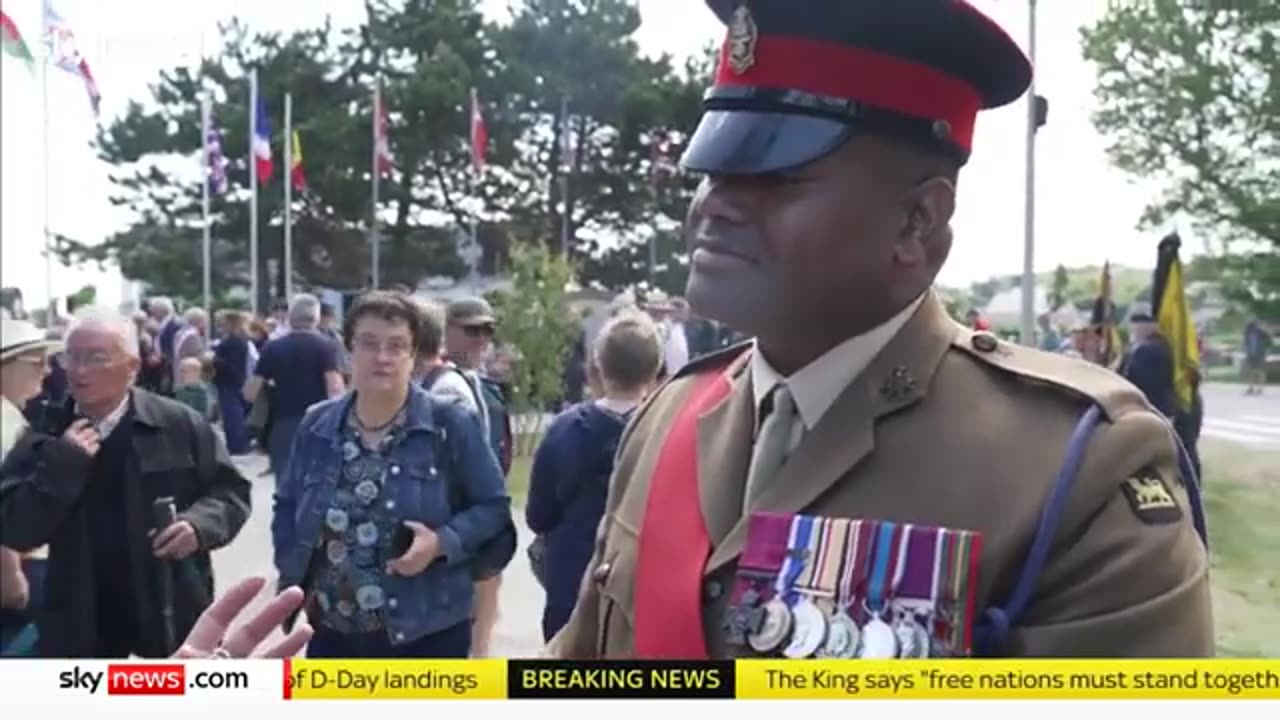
x=165 y=512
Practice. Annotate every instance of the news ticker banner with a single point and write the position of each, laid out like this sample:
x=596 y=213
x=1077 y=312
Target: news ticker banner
x=300 y=679
x=788 y=679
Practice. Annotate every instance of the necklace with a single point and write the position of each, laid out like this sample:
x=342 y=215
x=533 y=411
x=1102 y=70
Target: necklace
x=374 y=429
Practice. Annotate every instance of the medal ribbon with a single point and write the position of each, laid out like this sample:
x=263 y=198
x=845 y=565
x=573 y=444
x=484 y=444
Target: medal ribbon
x=939 y=552
x=810 y=564
x=799 y=546
x=900 y=561
x=829 y=557
x=881 y=568
x=948 y=600
x=850 y=571
x=959 y=581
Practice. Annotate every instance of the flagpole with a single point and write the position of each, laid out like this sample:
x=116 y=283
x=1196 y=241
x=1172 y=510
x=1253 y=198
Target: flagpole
x=288 y=195
x=1028 y=323
x=568 y=169
x=475 y=187
x=44 y=144
x=253 y=191
x=206 y=126
x=374 y=242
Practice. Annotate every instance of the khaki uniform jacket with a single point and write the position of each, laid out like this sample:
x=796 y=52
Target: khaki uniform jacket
x=973 y=440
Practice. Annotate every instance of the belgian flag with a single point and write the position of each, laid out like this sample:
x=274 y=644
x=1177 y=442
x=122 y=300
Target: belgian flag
x=1172 y=313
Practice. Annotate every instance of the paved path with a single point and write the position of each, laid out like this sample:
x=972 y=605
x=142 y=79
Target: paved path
x=1249 y=420
x=518 y=633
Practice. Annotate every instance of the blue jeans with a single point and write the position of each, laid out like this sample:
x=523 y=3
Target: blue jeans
x=280 y=443
x=233 y=420
x=453 y=642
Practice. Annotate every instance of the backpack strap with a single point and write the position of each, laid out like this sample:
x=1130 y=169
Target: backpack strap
x=433 y=375
x=996 y=622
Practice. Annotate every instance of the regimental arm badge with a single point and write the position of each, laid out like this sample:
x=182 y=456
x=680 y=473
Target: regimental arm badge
x=742 y=40
x=1151 y=499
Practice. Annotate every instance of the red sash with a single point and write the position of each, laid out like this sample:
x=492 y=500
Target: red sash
x=674 y=543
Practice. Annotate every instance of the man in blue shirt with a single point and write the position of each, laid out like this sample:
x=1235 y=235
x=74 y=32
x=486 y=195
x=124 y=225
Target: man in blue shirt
x=1150 y=364
x=303 y=368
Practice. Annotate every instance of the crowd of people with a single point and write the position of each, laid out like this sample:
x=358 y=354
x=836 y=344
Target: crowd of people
x=390 y=510
x=389 y=453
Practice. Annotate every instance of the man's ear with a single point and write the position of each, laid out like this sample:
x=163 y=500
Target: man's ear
x=926 y=234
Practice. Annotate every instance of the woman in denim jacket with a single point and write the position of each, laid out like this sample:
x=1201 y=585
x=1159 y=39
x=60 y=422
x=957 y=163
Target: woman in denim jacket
x=389 y=496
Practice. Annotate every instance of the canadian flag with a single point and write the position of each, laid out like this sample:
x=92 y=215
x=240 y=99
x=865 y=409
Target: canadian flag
x=479 y=133
x=381 y=145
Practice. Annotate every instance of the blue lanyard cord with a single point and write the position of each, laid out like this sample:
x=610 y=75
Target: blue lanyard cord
x=880 y=571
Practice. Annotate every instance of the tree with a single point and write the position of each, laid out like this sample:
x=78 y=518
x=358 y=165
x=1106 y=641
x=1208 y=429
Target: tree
x=1061 y=282
x=1189 y=96
x=328 y=74
x=536 y=319
x=427 y=54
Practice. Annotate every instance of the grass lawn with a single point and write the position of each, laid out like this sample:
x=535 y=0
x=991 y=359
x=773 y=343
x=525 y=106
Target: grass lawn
x=1242 y=499
x=518 y=479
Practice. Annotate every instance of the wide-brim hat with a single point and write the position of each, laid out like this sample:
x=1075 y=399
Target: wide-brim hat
x=795 y=81
x=20 y=336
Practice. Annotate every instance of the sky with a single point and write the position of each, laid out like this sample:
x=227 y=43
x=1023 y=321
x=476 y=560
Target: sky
x=1085 y=211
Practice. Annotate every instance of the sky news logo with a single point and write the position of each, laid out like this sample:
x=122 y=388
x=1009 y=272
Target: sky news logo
x=149 y=679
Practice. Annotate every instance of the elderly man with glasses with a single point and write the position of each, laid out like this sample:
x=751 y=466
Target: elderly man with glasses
x=144 y=492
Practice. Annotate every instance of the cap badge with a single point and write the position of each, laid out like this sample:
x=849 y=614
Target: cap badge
x=742 y=40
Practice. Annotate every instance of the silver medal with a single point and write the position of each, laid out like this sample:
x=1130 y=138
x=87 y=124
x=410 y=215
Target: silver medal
x=775 y=628
x=345 y=608
x=350 y=451
x=842 y=637
x=913 y=641
x=809 y=631
x=878 y=641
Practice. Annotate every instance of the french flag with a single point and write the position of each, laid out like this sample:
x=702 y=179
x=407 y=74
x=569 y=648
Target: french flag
x=262 y=142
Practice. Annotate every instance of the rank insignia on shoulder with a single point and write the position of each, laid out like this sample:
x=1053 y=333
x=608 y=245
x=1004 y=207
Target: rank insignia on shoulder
x=1150 y=498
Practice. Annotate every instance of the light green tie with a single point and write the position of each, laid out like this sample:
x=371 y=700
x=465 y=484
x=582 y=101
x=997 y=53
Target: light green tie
x=771 y=447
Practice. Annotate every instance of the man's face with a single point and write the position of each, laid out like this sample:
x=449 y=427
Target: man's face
x=98 y=368
x=382 y=354
x=818 y=246
x=23 y=376
x=468 y=342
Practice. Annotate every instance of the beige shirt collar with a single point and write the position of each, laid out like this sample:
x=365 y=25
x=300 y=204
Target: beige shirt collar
x=817 y=385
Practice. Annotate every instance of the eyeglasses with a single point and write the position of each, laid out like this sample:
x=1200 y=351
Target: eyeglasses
x=478 y=330
x=89 y=360
x=374 y=346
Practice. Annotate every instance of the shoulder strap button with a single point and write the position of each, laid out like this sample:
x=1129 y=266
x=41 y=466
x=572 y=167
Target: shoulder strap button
x=984 y=342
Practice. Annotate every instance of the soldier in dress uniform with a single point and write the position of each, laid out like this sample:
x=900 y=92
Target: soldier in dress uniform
x=831 y=144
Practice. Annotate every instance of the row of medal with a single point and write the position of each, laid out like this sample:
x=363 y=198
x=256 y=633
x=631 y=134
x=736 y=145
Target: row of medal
x=839 y=592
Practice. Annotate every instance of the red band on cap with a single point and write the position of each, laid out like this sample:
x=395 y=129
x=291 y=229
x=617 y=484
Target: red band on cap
x=861 y=75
